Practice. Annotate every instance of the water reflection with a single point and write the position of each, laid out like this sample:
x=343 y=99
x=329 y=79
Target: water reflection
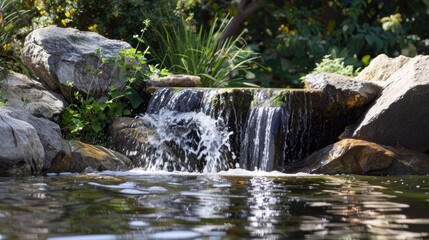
x=264 y=207
x=214 y=207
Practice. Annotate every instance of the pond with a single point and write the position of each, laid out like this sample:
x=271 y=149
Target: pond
x=229 y=205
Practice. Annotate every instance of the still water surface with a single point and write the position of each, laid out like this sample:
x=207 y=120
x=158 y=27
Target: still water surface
x=233 y=205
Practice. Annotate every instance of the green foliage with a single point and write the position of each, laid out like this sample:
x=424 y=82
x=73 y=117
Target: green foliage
x=292 y=36
x=335 y=65
x=10 y=20
x=88 y=119
x=186 y=49
x=8 y=16
x=116 y=19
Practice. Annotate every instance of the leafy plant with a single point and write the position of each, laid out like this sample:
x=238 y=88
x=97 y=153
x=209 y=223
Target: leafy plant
x=88 y=118
x=335 y=65
x=10 y=15
x=186 y=49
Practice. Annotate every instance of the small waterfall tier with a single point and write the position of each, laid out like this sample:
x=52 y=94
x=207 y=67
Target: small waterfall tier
x=208 y=130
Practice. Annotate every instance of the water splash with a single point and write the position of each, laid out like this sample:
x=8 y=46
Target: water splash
x=187 y=141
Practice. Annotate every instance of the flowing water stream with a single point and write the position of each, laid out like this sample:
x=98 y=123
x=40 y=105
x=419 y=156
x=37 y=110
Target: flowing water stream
x=236 y=204
x=206 y=172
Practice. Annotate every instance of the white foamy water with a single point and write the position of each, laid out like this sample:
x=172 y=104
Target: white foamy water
x=230 y=172
x=192 y=142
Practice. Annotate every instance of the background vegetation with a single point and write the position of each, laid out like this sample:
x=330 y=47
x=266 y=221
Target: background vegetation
x=271 y=44
x=290 y=36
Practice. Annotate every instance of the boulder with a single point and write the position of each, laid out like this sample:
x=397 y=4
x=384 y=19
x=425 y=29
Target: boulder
x=346 y=91
x=24 y=93
x=21 y=151
x=400 y=116
x=58 y=56
x=381 y=68
x=81 y=157
x=354 y=156
x=175 y=81
x=49 y=134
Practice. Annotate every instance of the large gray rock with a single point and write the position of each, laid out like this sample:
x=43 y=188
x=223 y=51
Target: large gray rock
x=346 y=91
x=27 y=94
x=59 y=55
x=354 y=156
x=49 y=134
x=21 y=151
x=400 y=116
x=81 y=157
x=381 y=68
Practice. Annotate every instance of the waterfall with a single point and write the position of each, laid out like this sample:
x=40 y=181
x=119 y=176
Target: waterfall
x=209 y=130
x=187 y=141
x=259 y=142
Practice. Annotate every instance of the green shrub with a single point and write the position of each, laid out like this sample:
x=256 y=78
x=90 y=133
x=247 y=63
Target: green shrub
x=335 y=65
x=10 y=20
x=116 y=19
x=88 y=119
x=185 y=49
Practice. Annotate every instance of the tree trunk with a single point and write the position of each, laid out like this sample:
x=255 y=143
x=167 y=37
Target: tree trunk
x=245 y=9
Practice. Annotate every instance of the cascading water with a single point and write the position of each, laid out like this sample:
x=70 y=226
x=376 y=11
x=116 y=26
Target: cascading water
x=258 y=146
x=209 y=130
x=187 y=141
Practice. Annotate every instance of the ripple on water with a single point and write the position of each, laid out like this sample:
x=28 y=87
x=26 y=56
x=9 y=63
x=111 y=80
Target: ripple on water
x=175 y=235
x=222 y=185
x=119 y=186
x=133 y=192
x=156 y=189
x=137 y=224
x=86 y=237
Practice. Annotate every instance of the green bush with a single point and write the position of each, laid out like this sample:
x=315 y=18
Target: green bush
x=335 y=65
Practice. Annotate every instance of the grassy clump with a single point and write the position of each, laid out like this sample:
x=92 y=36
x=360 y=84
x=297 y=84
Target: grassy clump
x=184 y=48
